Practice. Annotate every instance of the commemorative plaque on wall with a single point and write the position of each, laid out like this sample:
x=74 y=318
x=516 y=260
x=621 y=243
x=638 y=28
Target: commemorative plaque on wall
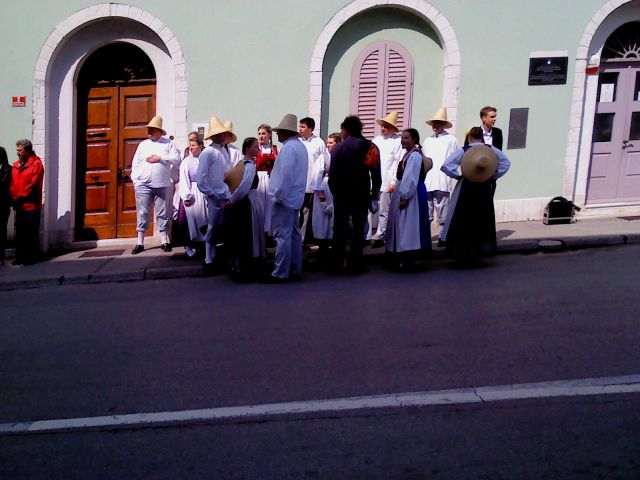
x=548 y=70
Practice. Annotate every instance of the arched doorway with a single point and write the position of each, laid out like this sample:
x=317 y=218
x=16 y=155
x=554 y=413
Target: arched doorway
x=116 y=99
x=614 y=173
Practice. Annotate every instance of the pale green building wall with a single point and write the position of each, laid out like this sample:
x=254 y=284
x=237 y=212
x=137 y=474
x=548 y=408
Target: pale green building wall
x=249 y=61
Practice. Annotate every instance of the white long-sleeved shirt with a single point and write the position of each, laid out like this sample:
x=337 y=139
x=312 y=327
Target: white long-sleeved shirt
x=154 y=175
x=391 y=153
x=316 y=151
x=438 y=148
x=211 y=170
x=451 y=165
x=287 y=184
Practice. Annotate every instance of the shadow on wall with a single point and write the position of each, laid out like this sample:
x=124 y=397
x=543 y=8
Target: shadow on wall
x=367 y=23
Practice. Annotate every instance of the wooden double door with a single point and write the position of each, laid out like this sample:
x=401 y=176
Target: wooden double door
x=112 y=123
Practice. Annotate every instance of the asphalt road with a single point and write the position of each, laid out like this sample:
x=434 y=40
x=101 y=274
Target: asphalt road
x=172 y=345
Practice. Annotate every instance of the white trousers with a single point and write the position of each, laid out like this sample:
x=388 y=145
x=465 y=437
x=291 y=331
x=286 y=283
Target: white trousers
x=162 y=200
x=285 y=224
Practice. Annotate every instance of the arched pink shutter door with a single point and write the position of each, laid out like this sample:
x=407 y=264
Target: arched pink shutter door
x=382 y=81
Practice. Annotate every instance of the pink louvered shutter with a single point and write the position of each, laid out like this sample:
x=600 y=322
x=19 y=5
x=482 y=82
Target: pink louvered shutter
x=382 y=81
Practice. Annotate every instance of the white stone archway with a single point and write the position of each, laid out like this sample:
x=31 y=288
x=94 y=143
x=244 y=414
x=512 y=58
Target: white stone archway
x=424 y=10
x=604 y=22
x=54 y=95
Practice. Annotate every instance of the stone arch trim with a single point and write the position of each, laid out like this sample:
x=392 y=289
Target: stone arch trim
x=578 y=152
x=83 y=17
x=426 y=11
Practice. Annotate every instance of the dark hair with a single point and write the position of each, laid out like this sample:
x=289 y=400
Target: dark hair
x=4 y=160
x=352 y=125
x=485 y=111
x=25 y=144
x=476 y=133
x=198 y=140
x=309 y=122
x=247 y=142
x=336 y=136
x=414 y=135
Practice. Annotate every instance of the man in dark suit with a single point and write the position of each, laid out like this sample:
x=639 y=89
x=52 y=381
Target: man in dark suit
x=491 y=134
x=354 y=182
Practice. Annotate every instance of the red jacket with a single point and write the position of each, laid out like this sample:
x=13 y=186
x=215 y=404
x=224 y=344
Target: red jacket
x=26 y=184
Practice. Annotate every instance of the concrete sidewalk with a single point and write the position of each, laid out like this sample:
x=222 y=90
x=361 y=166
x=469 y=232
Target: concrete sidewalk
x=114 y=263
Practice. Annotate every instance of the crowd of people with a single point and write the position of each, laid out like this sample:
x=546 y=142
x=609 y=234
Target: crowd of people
x=225 y=205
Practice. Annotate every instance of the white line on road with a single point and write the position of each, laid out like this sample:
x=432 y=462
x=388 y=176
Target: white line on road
x=564 y=388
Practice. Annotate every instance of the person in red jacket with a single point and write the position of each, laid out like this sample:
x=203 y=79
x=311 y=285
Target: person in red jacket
x=26 y=194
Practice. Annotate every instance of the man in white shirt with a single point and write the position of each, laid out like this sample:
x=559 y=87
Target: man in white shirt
x=388 y=142
x=316 y=152
x=235 y=155
x=210 y=178
x=438 y=147
x=151 y=169
x=287 y=191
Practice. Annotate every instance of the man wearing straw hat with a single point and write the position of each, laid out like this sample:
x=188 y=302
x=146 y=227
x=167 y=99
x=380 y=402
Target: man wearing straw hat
x=151 y=168
x=235 y=155
x=287 y=187
x=210 y=178
x=470 y=229
x=388 y=143
x=438 y=147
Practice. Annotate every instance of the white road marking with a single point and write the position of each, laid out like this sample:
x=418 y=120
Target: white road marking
x=563 y=388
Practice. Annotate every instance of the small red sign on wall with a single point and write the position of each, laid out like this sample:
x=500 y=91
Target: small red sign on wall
x=18 y=101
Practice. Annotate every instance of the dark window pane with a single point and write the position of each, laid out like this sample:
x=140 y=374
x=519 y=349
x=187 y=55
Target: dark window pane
x=607 y=86
x=603 y=127
x=636 y=91
x=634 y=130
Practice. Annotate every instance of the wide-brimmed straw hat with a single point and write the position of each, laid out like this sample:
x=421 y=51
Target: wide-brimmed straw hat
x=156 y=122
x=229 y=124
x=288 y=123
x=391 y=120
x=215 y=127
x=479 y=163
x=440 y=116
x=233 y=177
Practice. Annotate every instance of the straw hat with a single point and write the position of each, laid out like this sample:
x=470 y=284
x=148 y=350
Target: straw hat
x=391 y=120
x=229 y=125
x=156 y=122
x=440 y=116
x=289 y=123
x=479 y=163
x=234 y=176
x=215 y=127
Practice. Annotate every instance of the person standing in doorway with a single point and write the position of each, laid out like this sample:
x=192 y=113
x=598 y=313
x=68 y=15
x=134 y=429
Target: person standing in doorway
x=388 y=143
x=438 y=147
x=151 y=173
x=27 y=177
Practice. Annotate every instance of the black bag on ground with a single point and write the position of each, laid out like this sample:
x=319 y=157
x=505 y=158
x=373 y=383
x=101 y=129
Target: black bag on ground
x=559 y=210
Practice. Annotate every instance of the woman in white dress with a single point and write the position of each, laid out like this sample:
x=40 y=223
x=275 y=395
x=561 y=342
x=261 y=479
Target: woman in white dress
x=190 y=203
x=408 y=230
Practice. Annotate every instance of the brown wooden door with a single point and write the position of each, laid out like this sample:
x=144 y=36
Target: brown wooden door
x=115 y=119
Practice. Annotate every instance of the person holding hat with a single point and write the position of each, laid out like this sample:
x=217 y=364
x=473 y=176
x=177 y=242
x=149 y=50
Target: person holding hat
x=438 y=147
x=151 y=172
x=287 y=188
x=408 y=230
x=389 y=145
x=469 y=232
x=210 y=179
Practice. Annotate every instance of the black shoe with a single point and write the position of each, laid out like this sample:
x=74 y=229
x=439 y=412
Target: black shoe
x=166 y=247
x=271 y=280
x=137 y=249
x=17 y=262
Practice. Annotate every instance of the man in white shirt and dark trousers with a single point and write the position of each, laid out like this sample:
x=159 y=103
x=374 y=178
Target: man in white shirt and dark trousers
x=151 y=169
x=438 y=147
x=316 y=152
x=287 y=191
x=388 y=142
